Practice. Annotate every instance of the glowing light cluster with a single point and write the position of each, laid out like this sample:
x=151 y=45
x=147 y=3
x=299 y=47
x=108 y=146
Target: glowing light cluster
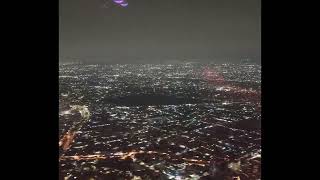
x=122 y=3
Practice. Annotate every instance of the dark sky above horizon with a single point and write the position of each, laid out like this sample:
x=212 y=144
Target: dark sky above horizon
x=159 y=30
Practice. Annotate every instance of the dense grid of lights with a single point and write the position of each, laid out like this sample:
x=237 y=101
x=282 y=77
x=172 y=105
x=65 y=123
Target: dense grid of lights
x=160 y=121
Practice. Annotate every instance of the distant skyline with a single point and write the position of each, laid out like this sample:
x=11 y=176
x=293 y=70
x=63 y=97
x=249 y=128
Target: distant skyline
x=157 y=31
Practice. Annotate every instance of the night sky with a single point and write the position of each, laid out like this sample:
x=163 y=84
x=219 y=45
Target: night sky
x=151 y=31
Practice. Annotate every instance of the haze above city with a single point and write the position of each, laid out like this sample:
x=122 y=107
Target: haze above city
x=152 y=31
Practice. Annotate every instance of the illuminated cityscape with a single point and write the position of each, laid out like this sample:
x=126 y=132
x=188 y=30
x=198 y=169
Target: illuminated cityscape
x=160 y=121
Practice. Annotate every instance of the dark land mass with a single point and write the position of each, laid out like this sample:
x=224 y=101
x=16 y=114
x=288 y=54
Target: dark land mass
x=137 y=100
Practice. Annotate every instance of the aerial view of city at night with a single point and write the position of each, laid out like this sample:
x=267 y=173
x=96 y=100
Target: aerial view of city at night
x=159 y=90
x=181 y=121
